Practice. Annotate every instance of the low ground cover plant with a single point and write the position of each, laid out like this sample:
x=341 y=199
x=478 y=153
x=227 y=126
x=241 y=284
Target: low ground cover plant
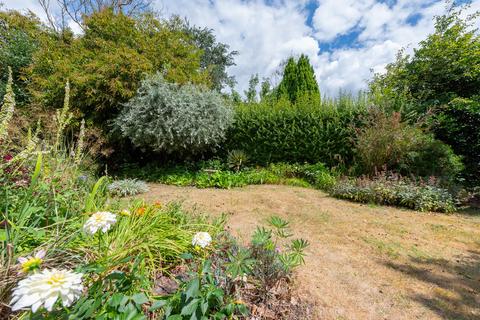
x=392 y=189
x=217 y=174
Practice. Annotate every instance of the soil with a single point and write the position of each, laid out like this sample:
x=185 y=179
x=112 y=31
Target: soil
x=364 y=261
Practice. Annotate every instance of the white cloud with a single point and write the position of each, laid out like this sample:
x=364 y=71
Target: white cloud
x=266 y=32
x=337 y=17
x=263 y=34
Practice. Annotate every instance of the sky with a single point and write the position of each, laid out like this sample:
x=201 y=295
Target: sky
x=346 y=40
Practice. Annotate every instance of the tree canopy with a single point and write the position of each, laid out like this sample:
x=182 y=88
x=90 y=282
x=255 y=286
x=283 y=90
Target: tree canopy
x=446 y=65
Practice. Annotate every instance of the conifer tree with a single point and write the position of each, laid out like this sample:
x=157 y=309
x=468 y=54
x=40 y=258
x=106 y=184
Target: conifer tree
x=306 y=82
x=298 y=80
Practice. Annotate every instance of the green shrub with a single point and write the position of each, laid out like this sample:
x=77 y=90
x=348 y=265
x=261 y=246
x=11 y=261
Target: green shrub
x=387 y=143
x=458 y=125
x=302 y=133
x=127 y=187
x=395 y=191
x=174 y=119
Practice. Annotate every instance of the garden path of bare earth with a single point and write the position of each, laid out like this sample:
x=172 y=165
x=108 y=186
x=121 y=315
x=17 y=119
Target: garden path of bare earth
x=364 y=262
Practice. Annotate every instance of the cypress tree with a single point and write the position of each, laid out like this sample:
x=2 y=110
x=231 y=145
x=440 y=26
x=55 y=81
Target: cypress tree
x=298 y=80
x=287 y=86
x=306 y=83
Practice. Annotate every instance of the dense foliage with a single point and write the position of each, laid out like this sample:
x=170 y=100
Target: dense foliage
x=17 y=44
x=458 y=123
x=106 y=64
x=439 y=80
x=296 y=133
x=446 y=65
x=170 y=118
x=387 y=143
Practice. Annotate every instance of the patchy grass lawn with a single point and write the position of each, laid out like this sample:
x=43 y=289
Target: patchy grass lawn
x=364 y=262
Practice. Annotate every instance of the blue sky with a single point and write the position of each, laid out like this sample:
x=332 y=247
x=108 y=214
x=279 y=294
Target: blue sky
x=345 y=39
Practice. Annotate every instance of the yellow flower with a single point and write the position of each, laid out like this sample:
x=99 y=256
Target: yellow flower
x=125 y=213
x=30 y=264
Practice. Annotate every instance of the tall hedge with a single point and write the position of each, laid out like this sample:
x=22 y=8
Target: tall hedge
x=295 y=133
x=457 y=124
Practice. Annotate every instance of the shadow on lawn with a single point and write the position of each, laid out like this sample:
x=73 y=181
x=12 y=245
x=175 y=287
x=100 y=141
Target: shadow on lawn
x=455 y=285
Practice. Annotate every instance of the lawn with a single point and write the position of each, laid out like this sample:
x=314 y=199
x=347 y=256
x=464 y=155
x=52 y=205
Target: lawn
x=364 y=261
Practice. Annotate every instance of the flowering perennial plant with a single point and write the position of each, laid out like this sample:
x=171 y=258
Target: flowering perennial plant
x=45 y=287
x=201 y=239
x=102 y=220
x=29 y=264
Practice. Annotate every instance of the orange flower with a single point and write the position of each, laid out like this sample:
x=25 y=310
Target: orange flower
x=141 y=211
x=157 y=204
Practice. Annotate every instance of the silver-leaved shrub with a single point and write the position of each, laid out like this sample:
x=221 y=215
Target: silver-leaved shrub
x=172 y=118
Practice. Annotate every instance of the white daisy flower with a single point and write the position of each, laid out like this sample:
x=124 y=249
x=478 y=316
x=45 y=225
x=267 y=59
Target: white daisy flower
x=100 y=221
x=30 y=263
x=45 y=287
x=201 y=239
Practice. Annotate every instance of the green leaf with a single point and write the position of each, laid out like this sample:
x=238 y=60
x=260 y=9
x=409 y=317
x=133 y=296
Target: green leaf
x=140 y=298
x=190 y=308
x=157 y=305
x=186 y=256
x=193 y=288
x=115 y=300
x=204 y=307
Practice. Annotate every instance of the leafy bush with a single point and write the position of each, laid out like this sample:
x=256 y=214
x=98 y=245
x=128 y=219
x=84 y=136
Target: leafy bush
x=387 y=143
x=457 y=124
x=175 y=119
x=396 y=191
x=295 y=133
x=127 y=187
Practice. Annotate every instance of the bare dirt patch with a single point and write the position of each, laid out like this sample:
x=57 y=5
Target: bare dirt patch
x=364 y=262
